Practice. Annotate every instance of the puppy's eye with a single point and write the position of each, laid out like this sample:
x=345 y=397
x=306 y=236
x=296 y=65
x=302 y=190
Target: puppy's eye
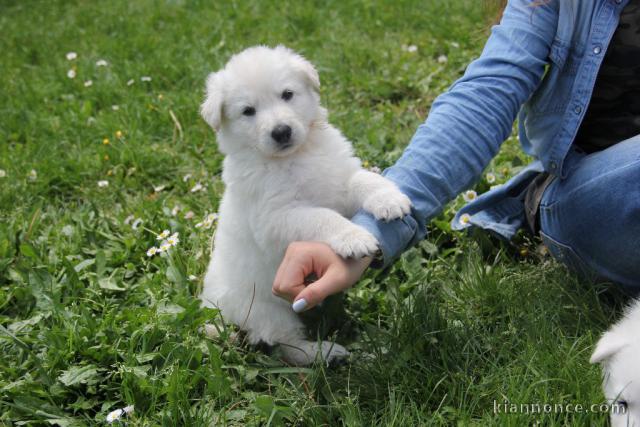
x=249 y=111
x=287 y=94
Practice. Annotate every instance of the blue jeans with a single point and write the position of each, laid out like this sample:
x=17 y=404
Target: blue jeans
x=590 y=221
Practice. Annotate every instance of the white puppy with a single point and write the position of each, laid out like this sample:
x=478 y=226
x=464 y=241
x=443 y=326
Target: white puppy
x=289 y=176
x=619 y=350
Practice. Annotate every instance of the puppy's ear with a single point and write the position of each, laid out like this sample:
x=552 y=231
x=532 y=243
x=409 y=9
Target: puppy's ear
x=306 y=68
x=610 y=344
x=310 y=73
x=211 y=108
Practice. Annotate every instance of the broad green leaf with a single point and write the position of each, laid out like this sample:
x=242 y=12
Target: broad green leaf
x=109 y=284
x=78 y=374
x=100 y=263
x=27 y=250
x=84 y=264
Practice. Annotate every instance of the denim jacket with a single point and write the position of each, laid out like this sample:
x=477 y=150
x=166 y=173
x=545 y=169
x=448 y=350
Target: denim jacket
x=540 y=65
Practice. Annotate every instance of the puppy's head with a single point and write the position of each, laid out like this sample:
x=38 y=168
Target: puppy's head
x=618 y=351
x=265 y=99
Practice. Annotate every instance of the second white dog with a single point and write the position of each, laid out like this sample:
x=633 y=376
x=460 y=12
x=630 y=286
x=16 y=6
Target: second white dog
x=289 y=176
x=618 y=351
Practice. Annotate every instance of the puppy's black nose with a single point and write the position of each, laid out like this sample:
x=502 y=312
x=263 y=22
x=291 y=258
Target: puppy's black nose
x=281 y=134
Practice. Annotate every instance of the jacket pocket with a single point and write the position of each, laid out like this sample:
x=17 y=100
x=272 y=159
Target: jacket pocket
x=552 y=95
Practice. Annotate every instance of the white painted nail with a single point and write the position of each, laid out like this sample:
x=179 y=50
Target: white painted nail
x=299 y=305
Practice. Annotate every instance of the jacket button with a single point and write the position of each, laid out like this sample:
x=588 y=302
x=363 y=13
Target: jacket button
x=578 y=109
x=597 y=50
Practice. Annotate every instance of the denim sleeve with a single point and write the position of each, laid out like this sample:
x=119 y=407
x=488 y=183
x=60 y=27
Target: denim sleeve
x=468 y=123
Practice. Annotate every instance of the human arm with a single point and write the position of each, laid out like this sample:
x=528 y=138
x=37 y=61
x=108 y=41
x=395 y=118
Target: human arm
x=468 y=123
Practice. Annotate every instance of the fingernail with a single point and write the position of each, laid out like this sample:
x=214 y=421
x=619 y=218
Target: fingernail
x=299 y=305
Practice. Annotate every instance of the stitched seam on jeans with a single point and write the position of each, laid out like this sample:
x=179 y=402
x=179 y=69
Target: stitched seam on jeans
x=583 y=267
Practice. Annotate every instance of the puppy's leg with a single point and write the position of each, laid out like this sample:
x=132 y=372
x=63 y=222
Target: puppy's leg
x=378 y=195
x=325 y=225
x=272 y=321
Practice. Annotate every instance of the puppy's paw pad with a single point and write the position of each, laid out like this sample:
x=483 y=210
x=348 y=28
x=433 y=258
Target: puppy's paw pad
x=387 y=204
x=354 y=242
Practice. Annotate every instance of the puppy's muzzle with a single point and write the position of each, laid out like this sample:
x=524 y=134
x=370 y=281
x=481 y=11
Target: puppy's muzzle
x=282 y=135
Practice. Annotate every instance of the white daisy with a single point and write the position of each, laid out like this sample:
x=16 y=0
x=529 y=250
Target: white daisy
x=186 y=177
x=175 y=210
x=164 y=247
x=88 y=83
x=465 y=219
x=173 y=240
x=130 y=82
x=114 y=415
x=71 y=73
x=115 y=107
x=101 y=63
x=33 y=175
x=192 y=277
x=469 y=195
x=455 y=44
x=3 y=173
x=491 y=178
x=208 y=221
x=71 y=56
x=197 y=187
x=67 y=230
x=103 y=183
x=145 y=79
x=128 y=219
x=189 y=215
x=410 y=48
x=152 y=251
x=159 y=188
x=163 y=235
x=442 y=59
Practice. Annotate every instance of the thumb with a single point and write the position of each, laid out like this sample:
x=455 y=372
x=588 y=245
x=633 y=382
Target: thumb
x=317 y=291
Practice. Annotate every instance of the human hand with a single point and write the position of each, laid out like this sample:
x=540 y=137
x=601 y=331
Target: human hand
x=302 y=259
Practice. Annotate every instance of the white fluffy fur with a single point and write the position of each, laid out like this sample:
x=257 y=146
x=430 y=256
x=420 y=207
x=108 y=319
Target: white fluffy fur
x=276 y=195
x=618 y=351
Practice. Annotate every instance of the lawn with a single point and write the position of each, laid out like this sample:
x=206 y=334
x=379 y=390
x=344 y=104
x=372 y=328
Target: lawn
x=102 y=151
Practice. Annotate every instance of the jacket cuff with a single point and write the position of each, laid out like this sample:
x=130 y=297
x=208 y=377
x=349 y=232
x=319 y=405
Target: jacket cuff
x=394 y=237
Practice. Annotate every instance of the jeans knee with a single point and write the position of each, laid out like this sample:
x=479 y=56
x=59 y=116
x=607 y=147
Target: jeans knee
x=598 y=245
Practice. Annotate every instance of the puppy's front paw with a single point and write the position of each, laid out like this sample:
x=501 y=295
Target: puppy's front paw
x=387 y=204
x=354 y=242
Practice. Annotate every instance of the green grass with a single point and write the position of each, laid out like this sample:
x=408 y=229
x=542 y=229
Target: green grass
x=90 y=324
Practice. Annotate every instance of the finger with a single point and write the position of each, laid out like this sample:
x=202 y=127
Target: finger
x=290 y=277
x=313 y=294
x=277 y=280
